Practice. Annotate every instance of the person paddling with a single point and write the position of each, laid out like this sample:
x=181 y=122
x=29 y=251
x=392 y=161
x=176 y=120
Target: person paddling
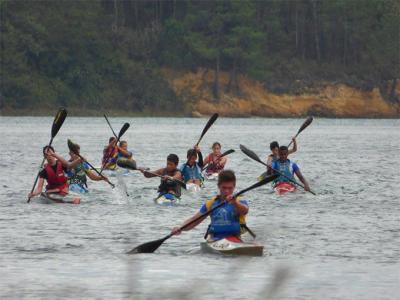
x=191 y=169
x=214 y=163
x=110 y=154
x=77 y=176
x=171 y=171
x=53 y=173
x=287 y=168
x=123 y=151
x=274 y=156
x=229 y=219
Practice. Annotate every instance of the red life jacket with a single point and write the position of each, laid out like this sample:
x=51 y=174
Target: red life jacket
x=213 y=165
x=56 y=180
x=109 y=154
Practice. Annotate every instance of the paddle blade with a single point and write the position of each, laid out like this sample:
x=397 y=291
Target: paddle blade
x=305 y=124
x=210 y=122
x=148 y=247
x=258 y=184
x=126 y=164
x=123 y=130
x=58 y=121
x=251 y=154
x=73 y=147
x=227 y=153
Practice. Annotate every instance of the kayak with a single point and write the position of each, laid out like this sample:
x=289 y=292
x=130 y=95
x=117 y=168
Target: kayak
x=57 y=198
x=284 y=187
x=117 y=172
x=76 y=188
x=211 y=176
x=232 y=246
x=167 y=199
x=193 y=188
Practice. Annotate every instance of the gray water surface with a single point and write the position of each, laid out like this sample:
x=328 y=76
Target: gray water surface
x=343 y=243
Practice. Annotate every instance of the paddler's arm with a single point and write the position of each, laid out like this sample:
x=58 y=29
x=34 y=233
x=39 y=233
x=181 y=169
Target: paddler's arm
x=294 y=149
x=66 y=164
x=223 y=161
x=93 y=176
x=176 y=230
x=303 y=180
x=206 y=160
x=38 y=189
x=149 y=175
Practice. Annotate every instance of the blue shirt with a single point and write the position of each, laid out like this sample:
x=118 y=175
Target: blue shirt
x=287 y=168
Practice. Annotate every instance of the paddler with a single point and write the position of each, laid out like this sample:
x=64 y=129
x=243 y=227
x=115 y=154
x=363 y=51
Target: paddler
x=53 y=173
x=171 y=171
x=287 y=168
x=191 y=169
x=77 y=176
x=214 y=163
x=110 y=154
x=123 y=151
x=229 y=219
x=274 y=146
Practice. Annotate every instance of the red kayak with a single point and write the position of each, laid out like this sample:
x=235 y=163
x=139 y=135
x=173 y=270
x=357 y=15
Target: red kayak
x=284 y=187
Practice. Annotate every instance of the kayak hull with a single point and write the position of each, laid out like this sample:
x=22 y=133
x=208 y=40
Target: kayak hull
x=232 y=246
x=211 y=176
x=59 y=199
x=193 y=188
x=284 y=188
x=167 y=200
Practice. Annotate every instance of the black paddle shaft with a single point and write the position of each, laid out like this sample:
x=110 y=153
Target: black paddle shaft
x=109 y=124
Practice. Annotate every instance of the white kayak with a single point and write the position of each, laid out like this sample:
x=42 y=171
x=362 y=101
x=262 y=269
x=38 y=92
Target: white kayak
x=211 y=176
x=232 y=246
x=70 y=198
x=193 y=188
x=167 y=200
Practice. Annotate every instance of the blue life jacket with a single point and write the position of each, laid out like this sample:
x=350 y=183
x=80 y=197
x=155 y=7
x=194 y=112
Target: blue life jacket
x=193 y=172
x=224 y=221
x=287 y=168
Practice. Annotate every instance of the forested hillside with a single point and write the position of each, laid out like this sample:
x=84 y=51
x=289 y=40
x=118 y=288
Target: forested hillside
x=112 y=54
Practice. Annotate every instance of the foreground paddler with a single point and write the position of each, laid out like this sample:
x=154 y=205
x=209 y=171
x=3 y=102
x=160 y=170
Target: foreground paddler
x=227 y=220
x=168 y=188
x=287 y=169
x=77 y=176
x=152 y=246
x=53 y=173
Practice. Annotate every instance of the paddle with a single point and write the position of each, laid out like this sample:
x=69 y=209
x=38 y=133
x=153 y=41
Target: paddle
x=131 y=165
x=221 y=156
x=307 y=122
x=211 y=121
x=108 y=122
x=57 y=123
x=73 y=147
x=120 y=134
x=150 y=247
x=254 y=156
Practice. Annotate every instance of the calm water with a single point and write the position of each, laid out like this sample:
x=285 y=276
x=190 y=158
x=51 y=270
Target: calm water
x=342 y=244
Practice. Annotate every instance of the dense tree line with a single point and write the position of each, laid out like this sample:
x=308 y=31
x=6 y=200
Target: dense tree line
x=109 y=53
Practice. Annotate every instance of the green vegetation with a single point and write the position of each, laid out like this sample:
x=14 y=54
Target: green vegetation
x=108 y=54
